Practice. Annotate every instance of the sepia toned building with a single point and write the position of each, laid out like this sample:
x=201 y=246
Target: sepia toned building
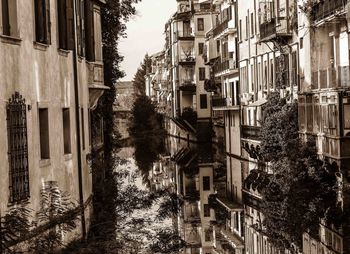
x=324 y=109
x=51 y=72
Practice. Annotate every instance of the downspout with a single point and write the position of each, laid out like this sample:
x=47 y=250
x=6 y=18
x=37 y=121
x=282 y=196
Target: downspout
x=77 y=120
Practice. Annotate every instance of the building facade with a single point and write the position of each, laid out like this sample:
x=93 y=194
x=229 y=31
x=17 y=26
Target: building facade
x=51 y=79
x=251 y=49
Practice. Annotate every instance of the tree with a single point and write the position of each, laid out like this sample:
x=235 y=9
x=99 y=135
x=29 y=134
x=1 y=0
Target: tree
x=139 y=80
x=301 y=188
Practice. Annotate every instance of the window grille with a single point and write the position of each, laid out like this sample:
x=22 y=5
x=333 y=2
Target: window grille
x=17 y=148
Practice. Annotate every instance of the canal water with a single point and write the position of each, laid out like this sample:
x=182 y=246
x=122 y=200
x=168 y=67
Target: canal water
x=180 y=169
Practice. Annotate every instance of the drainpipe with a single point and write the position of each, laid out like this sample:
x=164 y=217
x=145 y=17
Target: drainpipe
x=77 y=120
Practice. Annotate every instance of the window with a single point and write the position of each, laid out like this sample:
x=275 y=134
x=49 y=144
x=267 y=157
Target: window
x=9 y=17
x=206 y=183
x=200 y=48
x=81 y=27
x=93 y=32
x=332 y=116
x=240 y=30
x=44 y=133
x=206 y=209
x=82 y=127
x=218 y=46
x=65 y=24
x=347 y=116
x=203 y=101
x=200 y=24
x=66 y=131
x=301 y=42
x=42 y=21
x=208 y=234
x=251 y=24
x=201 y=73
x=246 y=27
x=17 y=148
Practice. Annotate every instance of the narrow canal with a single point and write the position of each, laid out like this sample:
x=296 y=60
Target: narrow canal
x=185 y=171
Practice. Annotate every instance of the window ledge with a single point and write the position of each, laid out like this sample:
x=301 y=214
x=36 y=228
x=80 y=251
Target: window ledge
x=19 y=202
x=10 y=39
x=44 y=163
x=68 y=156
x=40 y=46
x=63 y=52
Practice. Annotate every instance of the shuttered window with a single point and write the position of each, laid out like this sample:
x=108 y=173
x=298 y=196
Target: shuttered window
x=89 y=29
x=5 y=17
x=17 y=148
x=81 y=27
x=65 y=24
x=9 y=17
x=42 y=21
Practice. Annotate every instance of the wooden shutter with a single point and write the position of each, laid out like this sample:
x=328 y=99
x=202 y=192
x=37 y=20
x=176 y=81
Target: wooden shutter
x=89 y=30
x=47 y=23
x=82 y=27
x=5 y=18
x=70 y=24
x=62 y=27
x=39 y=21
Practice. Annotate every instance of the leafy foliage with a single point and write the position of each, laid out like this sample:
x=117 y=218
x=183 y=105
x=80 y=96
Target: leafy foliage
x=139 y=80
x=302 y=188
x=147 y=131
x=56 y=217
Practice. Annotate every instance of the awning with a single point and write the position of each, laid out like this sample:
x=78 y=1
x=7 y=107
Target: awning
x=95 y=92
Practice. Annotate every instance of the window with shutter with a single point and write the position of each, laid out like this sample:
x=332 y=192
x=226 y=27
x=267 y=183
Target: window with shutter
x=89 y=30
x=9 y=17
x=42 y=21
x=5 y=17
x=17 y=148
x=65 y=24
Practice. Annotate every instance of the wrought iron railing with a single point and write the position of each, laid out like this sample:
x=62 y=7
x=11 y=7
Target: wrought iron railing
x=327 y=8
x=331 y=77
x=226 y=65
x=251 y=132
x=220 y=28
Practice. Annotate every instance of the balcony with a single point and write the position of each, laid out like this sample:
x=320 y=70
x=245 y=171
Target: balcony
x=220 y=28
x=223 y=103
x=331 y=78
x=327 y=8
x=251 y=132
x=185 y=35
x=95 y=82
x=187 y=85
x=225 y=66
x=187 y=60
x=275 y=28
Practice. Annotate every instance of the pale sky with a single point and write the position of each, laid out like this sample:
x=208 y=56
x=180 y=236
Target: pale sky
x=145 y=33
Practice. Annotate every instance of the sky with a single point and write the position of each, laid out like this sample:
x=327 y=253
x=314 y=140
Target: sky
x=145 y=33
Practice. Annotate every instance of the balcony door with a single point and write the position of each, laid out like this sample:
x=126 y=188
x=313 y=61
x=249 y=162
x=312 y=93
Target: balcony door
x=187 y=28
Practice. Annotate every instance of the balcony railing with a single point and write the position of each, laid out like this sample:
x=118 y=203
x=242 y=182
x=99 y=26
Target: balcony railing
x=226 y=65
x=187 y=85
x=187 y=59
x=95 y=73
x=327 y=8
x=251 y=132
x=220 y=28
x=274 y=28
x=331 y=77
x=184 y=35
x=219 y=102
